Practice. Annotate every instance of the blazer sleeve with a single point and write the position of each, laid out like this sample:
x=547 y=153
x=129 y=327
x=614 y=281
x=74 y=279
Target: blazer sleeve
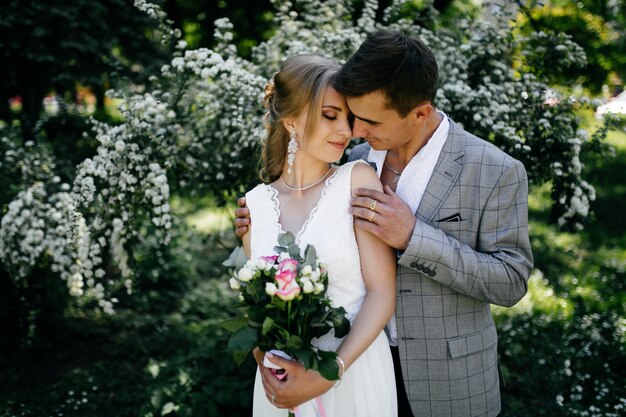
x=497 y=268
x=360 y=151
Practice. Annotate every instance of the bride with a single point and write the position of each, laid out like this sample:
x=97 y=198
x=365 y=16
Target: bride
x=308 y=128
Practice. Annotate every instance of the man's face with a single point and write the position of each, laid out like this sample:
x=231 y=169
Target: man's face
x=381 y=127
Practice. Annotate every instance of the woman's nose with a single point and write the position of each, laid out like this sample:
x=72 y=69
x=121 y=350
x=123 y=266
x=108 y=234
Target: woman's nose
x=344 y=129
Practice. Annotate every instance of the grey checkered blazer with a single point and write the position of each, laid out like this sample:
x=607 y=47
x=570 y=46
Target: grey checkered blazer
x=453 y=269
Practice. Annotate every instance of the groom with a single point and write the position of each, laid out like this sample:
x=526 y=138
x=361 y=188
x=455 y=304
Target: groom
x=455 y=208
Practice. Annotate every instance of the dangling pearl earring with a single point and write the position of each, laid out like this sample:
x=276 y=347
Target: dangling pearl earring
x=292 y=147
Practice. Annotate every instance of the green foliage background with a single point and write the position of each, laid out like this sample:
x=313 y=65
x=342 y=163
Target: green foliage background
x=562 y=348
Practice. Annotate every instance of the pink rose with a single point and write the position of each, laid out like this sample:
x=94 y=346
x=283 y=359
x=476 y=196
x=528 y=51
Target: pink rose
x=289 y=265
x=288 y=288
x=270 y=259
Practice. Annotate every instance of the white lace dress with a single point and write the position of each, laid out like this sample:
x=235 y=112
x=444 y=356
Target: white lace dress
x=368 y=386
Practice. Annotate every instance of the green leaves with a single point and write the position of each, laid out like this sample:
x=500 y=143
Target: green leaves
x=286 y=239
x=328 y=366
x=241 y=342
x=233 y=325
x=267 y=325
x=310 y=256
x=339 y=321
x=237 y=258
x=287 y=244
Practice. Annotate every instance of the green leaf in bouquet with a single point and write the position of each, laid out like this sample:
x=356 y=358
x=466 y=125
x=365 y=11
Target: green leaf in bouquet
x=280 y=249
x=237 y=258
x=294 y=342
x=256 y=314
x=232 y=325
x=294 y=252
x=286 y=239
x=267 y=325
x=328 y=366
x=280 y=304
x=239 y=357
x=310 y=256
x=307 y=356
x=243 y=340
x=339 y=321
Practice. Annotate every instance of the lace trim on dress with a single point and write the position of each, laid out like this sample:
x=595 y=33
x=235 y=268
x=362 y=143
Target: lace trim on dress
x=274 y=197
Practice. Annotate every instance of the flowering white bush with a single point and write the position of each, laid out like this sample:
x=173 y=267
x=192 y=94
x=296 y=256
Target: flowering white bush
x=197 y=128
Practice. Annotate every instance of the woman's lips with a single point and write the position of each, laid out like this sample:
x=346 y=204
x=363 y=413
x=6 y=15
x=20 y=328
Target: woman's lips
x=338 y=145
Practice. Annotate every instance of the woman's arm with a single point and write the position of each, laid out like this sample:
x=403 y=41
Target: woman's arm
x=378 y=265
x=245 y=239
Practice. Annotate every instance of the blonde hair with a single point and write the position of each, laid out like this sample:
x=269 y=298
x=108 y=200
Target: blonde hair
x=301 y=82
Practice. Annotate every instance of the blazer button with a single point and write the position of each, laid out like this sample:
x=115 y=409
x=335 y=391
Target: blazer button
x=432 y=273
x=414 y=264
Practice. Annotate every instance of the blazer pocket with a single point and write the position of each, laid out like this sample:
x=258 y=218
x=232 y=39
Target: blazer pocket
x=472 y=343
x=453 y=229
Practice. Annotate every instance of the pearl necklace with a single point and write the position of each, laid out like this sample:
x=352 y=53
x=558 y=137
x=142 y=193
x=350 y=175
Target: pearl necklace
x=397 y=174
x=306 y=187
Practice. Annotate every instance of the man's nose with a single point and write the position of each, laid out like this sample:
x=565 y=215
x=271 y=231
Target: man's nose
x=359 y=129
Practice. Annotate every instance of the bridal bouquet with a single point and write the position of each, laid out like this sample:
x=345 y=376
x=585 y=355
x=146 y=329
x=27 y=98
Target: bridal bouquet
x=284 y=305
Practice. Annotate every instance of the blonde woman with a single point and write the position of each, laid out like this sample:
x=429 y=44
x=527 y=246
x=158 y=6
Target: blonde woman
x=308 y=128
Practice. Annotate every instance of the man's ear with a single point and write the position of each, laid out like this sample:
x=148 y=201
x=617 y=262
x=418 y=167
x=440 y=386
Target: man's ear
x=421 y=111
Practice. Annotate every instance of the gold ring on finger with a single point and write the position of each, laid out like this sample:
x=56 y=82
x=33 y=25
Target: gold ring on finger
x=373 y=205
x=371 y=218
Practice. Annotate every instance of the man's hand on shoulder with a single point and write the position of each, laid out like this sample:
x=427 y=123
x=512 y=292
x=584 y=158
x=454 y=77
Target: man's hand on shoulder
x=385 y=215
x=242 y=218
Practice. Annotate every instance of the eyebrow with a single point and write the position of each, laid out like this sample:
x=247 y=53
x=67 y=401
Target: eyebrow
x=332 y=107
x=372 y=122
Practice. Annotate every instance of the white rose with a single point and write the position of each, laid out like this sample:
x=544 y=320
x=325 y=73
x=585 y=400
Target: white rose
x=307 y=270
x=234 y=283
x=270 y=288
x=319 y=287
x=307 y=287
x=315 y=275
x=245 y=274
x=261 y=264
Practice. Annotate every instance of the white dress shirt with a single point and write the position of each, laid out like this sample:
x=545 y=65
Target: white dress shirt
x=413 y=181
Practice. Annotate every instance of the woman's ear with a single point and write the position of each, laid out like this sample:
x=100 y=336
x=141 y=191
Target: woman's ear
x=289 y=124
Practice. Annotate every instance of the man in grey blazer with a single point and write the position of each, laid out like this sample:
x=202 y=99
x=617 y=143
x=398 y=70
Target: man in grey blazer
x=455 y=208
x=459 y=221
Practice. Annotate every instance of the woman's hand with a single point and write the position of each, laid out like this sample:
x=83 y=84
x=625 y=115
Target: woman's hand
x=299 y=387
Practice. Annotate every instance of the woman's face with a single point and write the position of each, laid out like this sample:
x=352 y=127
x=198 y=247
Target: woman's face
x=332 y=135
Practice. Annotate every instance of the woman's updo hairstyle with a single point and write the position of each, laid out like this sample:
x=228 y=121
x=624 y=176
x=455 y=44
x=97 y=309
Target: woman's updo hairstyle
x=301 y=82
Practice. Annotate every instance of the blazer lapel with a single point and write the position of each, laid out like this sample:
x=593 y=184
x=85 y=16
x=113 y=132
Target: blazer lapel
x=444 y=175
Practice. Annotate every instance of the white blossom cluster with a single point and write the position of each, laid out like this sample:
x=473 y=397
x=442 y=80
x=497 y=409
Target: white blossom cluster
x=24 y=163
x=154 y=11
x=197 y=127
x=37 y=227
x=607 y=396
